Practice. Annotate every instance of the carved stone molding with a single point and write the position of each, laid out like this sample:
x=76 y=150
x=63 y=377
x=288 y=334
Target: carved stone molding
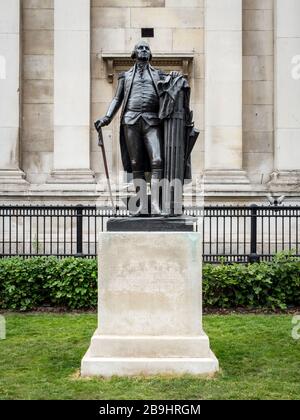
x=116 y=62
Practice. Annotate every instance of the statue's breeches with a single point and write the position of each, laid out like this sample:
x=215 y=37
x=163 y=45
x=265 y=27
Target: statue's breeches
x=144 y=142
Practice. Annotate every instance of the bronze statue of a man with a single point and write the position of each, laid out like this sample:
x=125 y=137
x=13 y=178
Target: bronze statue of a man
x=141 y=131
x=151 y=98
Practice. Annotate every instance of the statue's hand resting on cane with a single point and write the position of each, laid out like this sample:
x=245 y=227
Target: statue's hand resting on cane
x=98 y=125
x=102 y=122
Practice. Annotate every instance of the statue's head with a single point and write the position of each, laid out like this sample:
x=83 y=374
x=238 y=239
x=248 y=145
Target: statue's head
x=142 y=52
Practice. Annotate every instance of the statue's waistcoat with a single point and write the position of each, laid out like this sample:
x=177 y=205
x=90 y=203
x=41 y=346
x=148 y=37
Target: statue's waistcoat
x=150 y=117
x=143 y=100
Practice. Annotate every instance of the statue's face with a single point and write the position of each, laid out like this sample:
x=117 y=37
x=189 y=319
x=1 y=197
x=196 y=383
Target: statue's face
x=143 y=52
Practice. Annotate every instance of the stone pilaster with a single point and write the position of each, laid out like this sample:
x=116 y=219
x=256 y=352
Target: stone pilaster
x=72 y=92
x=10 y=172
x=223 y=94
x=287 y=94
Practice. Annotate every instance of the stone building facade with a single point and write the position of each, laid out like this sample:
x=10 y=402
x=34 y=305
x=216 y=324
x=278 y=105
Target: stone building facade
x=58 y=66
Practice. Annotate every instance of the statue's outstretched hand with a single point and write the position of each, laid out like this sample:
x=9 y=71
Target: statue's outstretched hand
x=102 y=122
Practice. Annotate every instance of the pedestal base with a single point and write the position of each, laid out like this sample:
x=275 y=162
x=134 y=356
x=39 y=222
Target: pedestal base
x=150 y=307
x=130 y=366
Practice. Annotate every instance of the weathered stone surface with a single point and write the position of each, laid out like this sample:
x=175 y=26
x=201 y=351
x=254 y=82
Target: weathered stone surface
x=258 y=89
x=167 y=17
x=108 y=40
x=10 y=92
x=162 y=41
x=150 y=290
x=38 y=92
x=287 y=18
x=38 y=67
x=38 y=74
x=259 y=166
x=199 y=66
x=258 y=20
x=223 y=15
x=287 y=117
x=38 y=19
x=72 y=92
x=38 y=116
x=258 y=4
x=188 y=40
x=9 y=158
x=102 y=91
x=38 y=162
x=184 y=3
x=128 y=3
x=258 y=117
x=41 y=42
x=10 y=17
x=258 y=43
x=258 y=141
x=197 y=86
x=258 y=92
x=111 y=17
x=149 y=307
x=287 y=141
x=38 y=4
x=258 y=67
x=37 y=140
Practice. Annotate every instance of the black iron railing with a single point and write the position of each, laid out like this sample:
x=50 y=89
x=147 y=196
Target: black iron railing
x=230 y=234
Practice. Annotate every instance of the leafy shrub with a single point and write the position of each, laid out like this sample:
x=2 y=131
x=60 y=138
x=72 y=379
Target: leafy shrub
x=72 y=283
x=22 y=282
x=273 y=285
x=30 y=283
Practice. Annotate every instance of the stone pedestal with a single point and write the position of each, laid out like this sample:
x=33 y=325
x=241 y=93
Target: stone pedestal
x=150 y=307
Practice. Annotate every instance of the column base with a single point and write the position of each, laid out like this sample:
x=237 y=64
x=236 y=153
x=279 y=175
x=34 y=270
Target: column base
x=72 y=176
x=221 y=180
x=14 y=176
x=285 y=179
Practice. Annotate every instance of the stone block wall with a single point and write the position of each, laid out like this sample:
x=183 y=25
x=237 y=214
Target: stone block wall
x=115 y=27
x=179 y=26
x=258 y=89
x=37 y=89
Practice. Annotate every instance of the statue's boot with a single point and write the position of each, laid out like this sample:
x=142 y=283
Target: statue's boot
x=140 y=184
x=155 y=192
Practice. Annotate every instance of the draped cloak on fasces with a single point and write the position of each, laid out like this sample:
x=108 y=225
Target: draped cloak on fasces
x=179 y=133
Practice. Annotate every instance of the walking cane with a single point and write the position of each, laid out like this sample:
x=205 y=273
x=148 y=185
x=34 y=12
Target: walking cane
x=101 y=144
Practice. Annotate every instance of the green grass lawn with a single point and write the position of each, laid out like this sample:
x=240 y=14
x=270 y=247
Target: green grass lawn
x=41 y=356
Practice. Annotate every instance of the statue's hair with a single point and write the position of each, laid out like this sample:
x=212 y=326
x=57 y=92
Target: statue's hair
x=133 y=54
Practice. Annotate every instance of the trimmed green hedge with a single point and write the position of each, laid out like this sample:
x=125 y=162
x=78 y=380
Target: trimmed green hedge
x=273 y=285
x=26 y=284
